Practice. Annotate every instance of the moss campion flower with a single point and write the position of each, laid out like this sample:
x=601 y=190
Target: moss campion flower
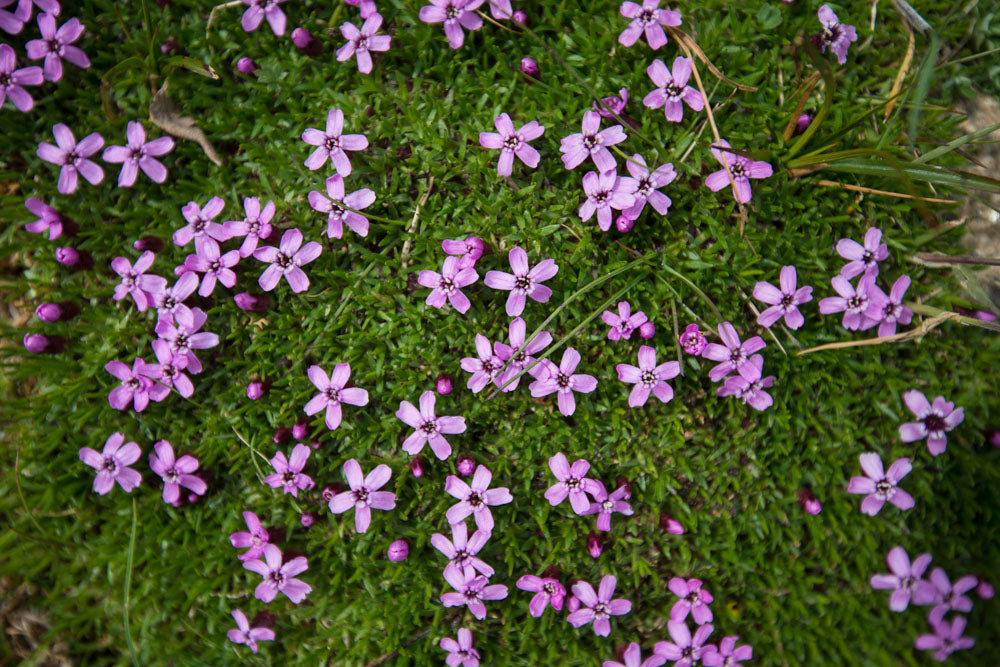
x=460 y=651
x=135 y=282
x=648 y=377
x=49 y=221
x=732 y=354
x=361 y=42
x=855 y=302
x=258 y=10
x=364 y=495
x=57 y=45
x=606 y=504
x=333 y=392
x=672 y=91
x=253 y=228
x=337 y=206
x=749 y=384
x=692 y=340
x=200 y=223
x=244 y=634
x=889 y=307
x=447 y=285
x=742 y=170
x=134 y=388
x=517 y=355
x=185 y=337
x=139 y=154
x=880 y=485
x=647 y=19
x=279 y=577
x=485 y=366
x=905 y=582
x=598 y=607
x=428 y=426
x=288 y=471
x=112 y=464
x=605 y=192
x=333 y=144
x=727 y=654
x=72 y=157
x=175 y=472
x=12 y=81
x=461 y=550
x=950 y=597
x=947 y=639
x=573 y=483
x=613 y=105
x=253 y=541
x=693 y=599
x=633 y=658
x=624 y=323
x=647 y=184
x=525 y=282
x=469 y=250
x=783 y=302
x=472 y=590
x=835 y=34
x=286 y=260
x=863 y=258
x=562 y=379
x=592 y=142
x=685 y=650
x=475 y=499
x=934 y=420
x=455 y=14
x=512 y=142
x=547 y=591
x=215 y=266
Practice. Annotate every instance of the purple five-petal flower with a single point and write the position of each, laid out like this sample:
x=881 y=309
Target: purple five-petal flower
x=947 y=639
x=134 y=388
x=338 y=207
x=950 y=597
x=279 y=577
x=57 y=45
x=672 y=91
x=135 y=282
x=472 y=590
x=287 y=260
x=685 y=650
x=561 y=379
x=783 y=302
x=880 y=485
x=447 y=285
x=605 y=192
x=517 y=353
x=648 y=184
x=364 y=494
x=288 y=471
x=175 y=472
x=862 y=258
x=455 y=14
x=112 y=464
x=244 y=634
x=258 y=10
x=732 y=354
x=461 y=550
x=592 y=142
x=332 y=392
x=333 y=144
x=72 y=157
x=889 y=307
x=428 y=427
x=525 y=282
x=484 y=367
x=360 y=42
x=647 y=19
x=253 y=541
x=693 y=599
x=254 y=227
x=648 y=377
x=512 y=142
x=905 y=582
x=547 y=591
x=475 y=499
x=598 y=607
x=139 y=154
x=835 y=34
x=12 y=81
x=606 y=504
x=460 y=651
x=741 y=168
x=572 y=483
x=934 y=420
x=624 y=323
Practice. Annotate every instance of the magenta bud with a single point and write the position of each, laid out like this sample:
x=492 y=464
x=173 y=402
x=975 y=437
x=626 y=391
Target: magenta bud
x=692 y=340
x=148 y=243
x=594 y=546
x=281 y=435
x=301 y=37
x=314 y=443
x=624 y=224
x=67 y=256
x=329 y=491
x=993 y=437
x=255 y=390
x=520 y=17
x=529 y=68
x=192 y=498
x=417 y=466
x=802 y=123
x=246 y=65
x=49 y=312
x=984 y=589
x=809 y=502
x=300 y=430
x=465 y=465
x=180 y=270
x=169 y=45
x=307 y=519
x=647 y=330
x=443 y=384
x=984 y=316
x=671 y=525
x=253 y=303
x=36 y=343
x=263 y=619
x=398 y=551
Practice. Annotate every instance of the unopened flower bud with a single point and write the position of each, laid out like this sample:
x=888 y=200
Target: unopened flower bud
x=307 y=519
x=314 y=443
x=398 y=551
x=281 y=435
x=802 y=123
x=300 y=430
x=255 y=390
x=253 y=303
x=301 y=37
x=647 y=330
x=148 y=243
x=246 y=65
x=984 y=316
x=263 y=619
x=671 y=525
x=36 y=343
x=49 y=312
x=67 y=256
x=624 y=223
x=529 y=68
x=443 y=384
x=417 y=466
x=809 y=502
x=465 y=465
x=594 y=546
x=993 y=437
x=520 y=17
x=984 y=589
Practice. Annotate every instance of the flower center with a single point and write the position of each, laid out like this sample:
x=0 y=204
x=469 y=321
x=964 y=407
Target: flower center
x=601 y=199
x=673 y=91
x=607 y=505
x=549 y=589
x=362 y=43
x=214 y=265
x=934 y=423
x=288 y=477
x=573 y=483
x=110 y=466
x=738 y=170
x=736 y=357
x=180 y=342
x=276 y=578
x=168 y=371
x=461 y=557
x=786 y=301
x=687 y=653
x=71 y=157
x=693 y=598
x=831 y=33
x=452 y=12
x=647 y=16
x=283 y=260
x=199 y=224
x=333 y=394
x=429 y=427
x=892 y=311
x=906 y=583
x=53 y=45
x=489 y=367
x=332 y=144
x=600 y=610
x=135 y=153
x=471 y=595
x=256 y=541
x=5 y=79
x=648 y=378
x=447 y=285
x=645 y=187
x=519 y=357
x=590 y=141
x=169 y=302
x=253 y=226
x=171 y=476
x=361 y=496
x=562 y=380
x=522 y=283
x=476 y=500
x=857 y=303
x=132 y=383
x=511 y=142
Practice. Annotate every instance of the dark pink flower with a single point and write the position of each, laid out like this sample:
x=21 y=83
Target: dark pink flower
x=72 y=157
x=398 y=551
x=139 y=154
x=200 y=225
x=727 y=654
x=732 y=354
x=692 y=340
x=934 y=420
x=253 y=228
x=605 y=192
x=947 y=638
x=175 y=472
x=255 y=539
x=184 y=337
x=749 y=385
x=361 y=41
x=889 y=307
x=461 y=550
x=672 y=91
x=529 y=67
x=135 y=282
x=863 y=258
x=949 y=597
x=333 y=144
x=56 y=45
x=835 y=34
x=472 y=590
x=647 y=186
x=169 y=372
x=547 y=591
x=693 y=599
x=512 y=142
x=685 y=650
x=258 y=10
x=333 y=391
x=335 y=204
x=455 y=14
x=881 y=486
x=447 y=285
x=649 y=19
x=49 y=219
x=525 y=282
x=475 y=499
x=112 y=464
x=742 y=170
x=592 y=142
x=573 y=483
x=605 y=505
x=561 y=379
x=598 y=607
x=286 y=260
x=12 y=81
x=517 y=353
x=460 y=651
x=855 y=303
x=278 y=576
x=905 y=580
x=364 y=495
x=244 y=634
x=783 y=302
x=428 y=426
x=615 y=102
x=470 y=250
x=215 y=266
x=288 y=471
x=648 y=377
x=633 y=658
x=134 y=388
x=484 y=367
x=624 y=323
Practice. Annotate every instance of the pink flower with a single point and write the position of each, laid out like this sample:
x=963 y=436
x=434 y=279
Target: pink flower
x=733 y=354
x=890 y=307
x=470 y=250
x=526 y=282
x=258 y=10
x=287 y=260
x=692 y=340
x=72 y=156
x=604 y=193
x=633 y=658
x=254 y=227
x=741 y=168
x=200 y=225
x=727 y=654
x=135 y=282
x=592 y=142
x=905 y=580
x=460 y=651
x=447 y=285
x=428 y=427
x=672 y=91
x=517 y=353
x=361 y=42
x=169 y=372
x=685 y=650
x=947 y=638
x=244 y=634
x=562 y=380
x=186 y=337
x=647 y=186
x=333 y=143
x=615 y=102
x=112 y=464
x=855 y=303
x=455 y=14
x=337 y=206
x=214 y=265
x=56 y=45
x=255 y=539
x=139 y=154
x=512 y=142
x=175 y=472
x=461 y=550
x=749 y=385
x=863 y=258
x=572 y=482
x=278 y=576
x=835 y=34
x=648 y=377
x=49 y=219
x=547 y=591
x=879 y=485
x=475 y=499
x=134 y=388
x=484 y=367
x=647 y=19
x=605 y=505
x=12 y=81
x=364 y=495
x=950 y=598
x=332 y=392
x=598 y=607
x=367 y=7
x=624 y=323
x=784 y=302
x=169 y=301
x=693 y=599
x=288 y=472
x=933 y=420
x=472 y=590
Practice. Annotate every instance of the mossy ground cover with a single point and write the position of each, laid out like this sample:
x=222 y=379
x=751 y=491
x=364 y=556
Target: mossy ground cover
x=794 y=585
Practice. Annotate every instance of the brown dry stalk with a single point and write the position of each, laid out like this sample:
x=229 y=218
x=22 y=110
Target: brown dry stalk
x=809 y=84
x=872 y=191
x=931 y=258
x=919 y=332
x=413 y=224
x=897 y=84
x=689 y=45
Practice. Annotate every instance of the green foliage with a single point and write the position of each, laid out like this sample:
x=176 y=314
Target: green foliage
x=795 y=586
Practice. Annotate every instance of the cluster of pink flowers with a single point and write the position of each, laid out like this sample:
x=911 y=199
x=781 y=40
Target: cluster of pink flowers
x=112 y=465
